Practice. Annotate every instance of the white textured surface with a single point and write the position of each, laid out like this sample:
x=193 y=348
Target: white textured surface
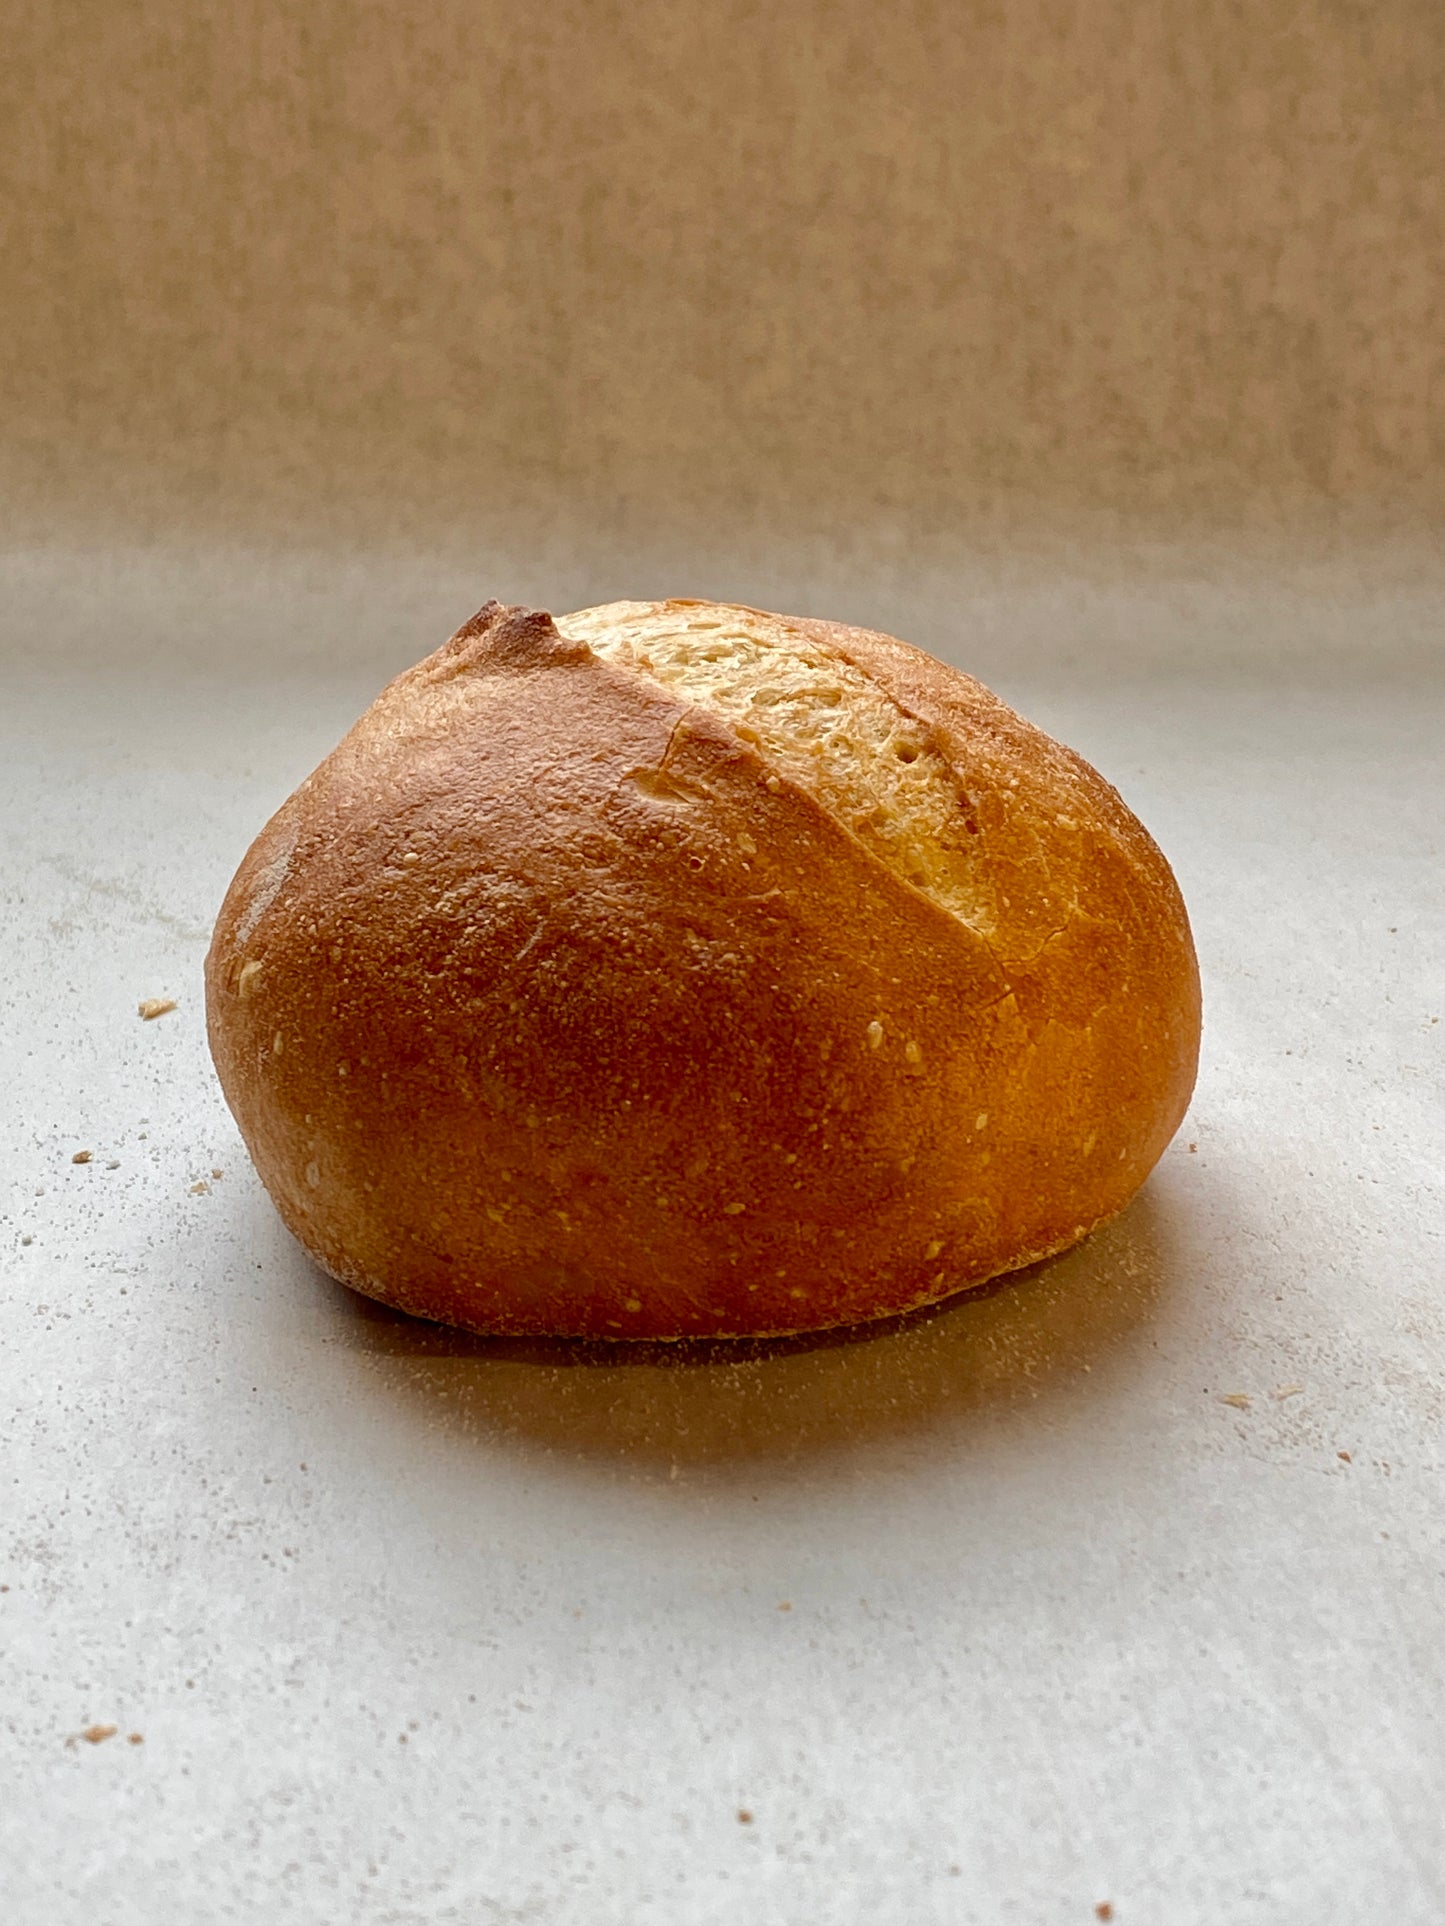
x=418 y=1632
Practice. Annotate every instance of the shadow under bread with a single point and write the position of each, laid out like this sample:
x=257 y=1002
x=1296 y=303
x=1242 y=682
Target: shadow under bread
x=1013 y=1339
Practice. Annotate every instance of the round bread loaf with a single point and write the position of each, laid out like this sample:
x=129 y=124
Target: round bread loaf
x=673 y=969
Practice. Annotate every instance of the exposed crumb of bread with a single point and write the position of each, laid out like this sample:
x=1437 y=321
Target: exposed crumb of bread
x=733 y=1210
x=912 y=1053
x=1239 y=1399
x=826 y=725
x=932 y=1250
x=82 y=1157
x=247 y=982
x=874 y=1034
x=156 y=1006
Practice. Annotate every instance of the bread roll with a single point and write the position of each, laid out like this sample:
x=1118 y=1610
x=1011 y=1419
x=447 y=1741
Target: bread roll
x=673 y=969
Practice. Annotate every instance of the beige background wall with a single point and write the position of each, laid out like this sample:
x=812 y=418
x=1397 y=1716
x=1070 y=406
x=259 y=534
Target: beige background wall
x=368 y=269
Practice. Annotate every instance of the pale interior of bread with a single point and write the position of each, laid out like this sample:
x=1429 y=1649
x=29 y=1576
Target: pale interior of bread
x=819 y=720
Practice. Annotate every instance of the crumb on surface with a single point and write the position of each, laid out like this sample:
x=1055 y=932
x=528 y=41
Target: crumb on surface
x=152 y=1007
x=217 y=1173
x=199 y=1188
x=1193 y=1147
x=97 y=1734
x=135 y=1738
x=81 y=1157
x=1239 y=1399
x=745 y=1818
x=1103 y=1910
x=1345 y=1457
x=1282 y=1391
x=786 y=1606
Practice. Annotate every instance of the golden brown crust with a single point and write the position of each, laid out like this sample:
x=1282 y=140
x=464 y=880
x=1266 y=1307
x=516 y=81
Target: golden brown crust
x=548 y=1006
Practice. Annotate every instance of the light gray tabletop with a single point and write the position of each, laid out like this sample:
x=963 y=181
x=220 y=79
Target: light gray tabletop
x=1122 y=1589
